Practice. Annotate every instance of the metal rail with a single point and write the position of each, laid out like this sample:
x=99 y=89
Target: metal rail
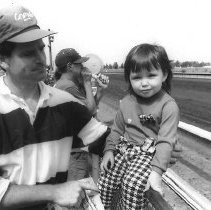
x=156 y=201
x=182 y=188
x=192 y=75
x=195 y=130
x=191 y=196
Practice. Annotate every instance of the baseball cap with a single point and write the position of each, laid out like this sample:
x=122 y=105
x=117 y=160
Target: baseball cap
x=19 y=25
x=69 y=55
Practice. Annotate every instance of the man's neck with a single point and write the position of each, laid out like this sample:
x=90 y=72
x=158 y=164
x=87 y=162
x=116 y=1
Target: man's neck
x=22 y=89
x=67 y=76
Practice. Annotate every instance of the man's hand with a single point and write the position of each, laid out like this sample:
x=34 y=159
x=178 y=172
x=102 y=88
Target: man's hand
x=68 y=193
x=176 y=153
x=102 y=81
x=86 y=75
x=107 y=158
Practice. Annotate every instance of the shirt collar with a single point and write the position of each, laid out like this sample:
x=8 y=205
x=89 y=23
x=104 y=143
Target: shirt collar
x=3 y=87
x=45 y=90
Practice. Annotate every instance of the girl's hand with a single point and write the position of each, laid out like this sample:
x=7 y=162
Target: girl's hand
x=155 y=181
x=107 y=158
x=176 y=153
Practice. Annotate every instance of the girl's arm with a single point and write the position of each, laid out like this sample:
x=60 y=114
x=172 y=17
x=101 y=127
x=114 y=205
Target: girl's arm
x=167 y=137
x=112 y=140
x=117 y=131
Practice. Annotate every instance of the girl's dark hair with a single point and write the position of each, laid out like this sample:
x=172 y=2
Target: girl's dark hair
x=146 y=57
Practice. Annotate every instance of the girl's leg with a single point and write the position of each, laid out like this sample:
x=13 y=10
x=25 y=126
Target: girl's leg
x=110 y=180
x=134 y=182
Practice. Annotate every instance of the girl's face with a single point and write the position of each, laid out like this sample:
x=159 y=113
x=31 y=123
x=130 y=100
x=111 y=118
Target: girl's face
x=145 y=83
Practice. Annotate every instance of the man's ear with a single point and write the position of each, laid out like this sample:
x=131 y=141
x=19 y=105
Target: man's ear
x=4 y=65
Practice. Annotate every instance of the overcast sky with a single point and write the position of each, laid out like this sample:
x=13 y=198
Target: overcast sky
x=110 y=28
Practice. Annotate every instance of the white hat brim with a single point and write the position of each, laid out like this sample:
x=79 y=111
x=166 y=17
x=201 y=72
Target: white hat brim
x=31 y=35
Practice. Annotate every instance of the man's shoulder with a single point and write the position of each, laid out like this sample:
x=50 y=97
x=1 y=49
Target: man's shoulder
x=58 y=96
x=64 y=84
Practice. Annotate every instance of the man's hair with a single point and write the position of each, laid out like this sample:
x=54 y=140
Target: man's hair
x=6 y=49
x=59 y=71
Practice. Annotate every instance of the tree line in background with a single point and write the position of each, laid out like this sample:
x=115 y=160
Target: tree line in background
x=113 y=66
x=183 y=65
x=177 y=63
x=190 y=64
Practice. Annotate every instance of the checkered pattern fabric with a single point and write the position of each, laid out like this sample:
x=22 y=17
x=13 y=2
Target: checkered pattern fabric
x=130 y=173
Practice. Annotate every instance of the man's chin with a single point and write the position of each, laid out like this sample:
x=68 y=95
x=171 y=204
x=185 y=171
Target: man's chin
x=40 y=77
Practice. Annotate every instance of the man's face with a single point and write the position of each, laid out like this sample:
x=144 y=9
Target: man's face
x=27 y=62
x=76 y=69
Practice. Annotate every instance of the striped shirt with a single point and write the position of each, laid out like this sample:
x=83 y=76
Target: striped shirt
x=35 y=147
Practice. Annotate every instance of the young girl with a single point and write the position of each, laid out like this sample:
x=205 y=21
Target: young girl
x=144 y=133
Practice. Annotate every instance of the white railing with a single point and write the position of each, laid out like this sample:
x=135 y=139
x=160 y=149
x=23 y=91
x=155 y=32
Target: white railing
x=194 y=76
x=195 y=130
x=191 y=196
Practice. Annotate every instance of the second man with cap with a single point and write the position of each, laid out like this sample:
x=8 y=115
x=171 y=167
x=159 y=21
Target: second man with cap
x=74 y=78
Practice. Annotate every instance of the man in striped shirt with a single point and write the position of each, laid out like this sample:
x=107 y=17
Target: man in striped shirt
x=37 y=122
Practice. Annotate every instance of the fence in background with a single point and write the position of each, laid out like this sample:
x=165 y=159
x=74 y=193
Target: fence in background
x=192 y=75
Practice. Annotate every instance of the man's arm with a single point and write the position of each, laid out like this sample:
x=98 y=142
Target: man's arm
x=90 y=100
x=65 y=194
x=22 y=195
x=117 y=131
x=102 y=82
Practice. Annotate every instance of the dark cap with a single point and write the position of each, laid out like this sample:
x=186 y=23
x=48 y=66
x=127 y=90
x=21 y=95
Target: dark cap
x=69 y=55
x=18 y=24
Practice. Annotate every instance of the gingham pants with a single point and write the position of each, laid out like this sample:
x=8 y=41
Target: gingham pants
x=130 y=173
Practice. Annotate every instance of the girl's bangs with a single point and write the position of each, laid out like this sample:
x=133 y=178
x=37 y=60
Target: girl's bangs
x=141 y=63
